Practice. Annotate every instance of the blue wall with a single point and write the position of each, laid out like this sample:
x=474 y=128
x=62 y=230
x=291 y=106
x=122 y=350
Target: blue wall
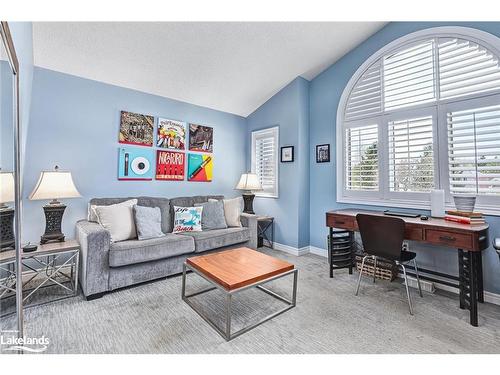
x=288 y=109
x=74 y=124
x=325 y=92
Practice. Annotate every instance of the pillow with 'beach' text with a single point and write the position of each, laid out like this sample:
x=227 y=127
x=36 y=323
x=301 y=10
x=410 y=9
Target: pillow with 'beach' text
x=187 y=219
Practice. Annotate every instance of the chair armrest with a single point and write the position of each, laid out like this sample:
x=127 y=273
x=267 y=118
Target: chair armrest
x=250 y=221
x=94 y=257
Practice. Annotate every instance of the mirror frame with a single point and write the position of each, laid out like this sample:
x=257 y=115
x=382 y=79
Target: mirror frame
x=14 y=64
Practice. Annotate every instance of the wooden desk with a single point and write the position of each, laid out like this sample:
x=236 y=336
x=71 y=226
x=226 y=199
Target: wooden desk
x=469 y=241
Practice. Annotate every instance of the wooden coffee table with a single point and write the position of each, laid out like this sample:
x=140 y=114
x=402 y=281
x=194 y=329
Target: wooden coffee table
x=233 y=271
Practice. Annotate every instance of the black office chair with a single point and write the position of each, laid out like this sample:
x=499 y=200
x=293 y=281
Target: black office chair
x=383 y=237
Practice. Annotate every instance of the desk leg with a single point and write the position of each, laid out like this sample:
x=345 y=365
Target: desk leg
x=461 y=278
x=351 y=236
x=473 y=292
x=330 y=246
x=479 y=270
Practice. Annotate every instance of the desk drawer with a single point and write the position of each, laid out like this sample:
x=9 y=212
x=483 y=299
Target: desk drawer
x=457 y=240
x=342 y=222
x=414 y=234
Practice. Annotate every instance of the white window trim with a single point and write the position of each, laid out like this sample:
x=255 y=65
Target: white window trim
x=275 y=132
x=488 y=40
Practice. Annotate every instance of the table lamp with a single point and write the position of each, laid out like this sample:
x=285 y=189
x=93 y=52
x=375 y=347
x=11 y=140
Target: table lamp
x=249 y=182
x=53 y=185
x=6 y=212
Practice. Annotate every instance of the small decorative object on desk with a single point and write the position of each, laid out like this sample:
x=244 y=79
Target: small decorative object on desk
x=437 y=203
x=465 y=203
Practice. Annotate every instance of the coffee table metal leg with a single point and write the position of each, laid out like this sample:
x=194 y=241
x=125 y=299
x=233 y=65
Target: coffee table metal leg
x=183 y=288
x=294 y=295
x=228 y=316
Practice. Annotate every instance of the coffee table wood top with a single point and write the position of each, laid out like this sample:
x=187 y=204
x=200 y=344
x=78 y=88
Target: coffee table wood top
x=239 y=267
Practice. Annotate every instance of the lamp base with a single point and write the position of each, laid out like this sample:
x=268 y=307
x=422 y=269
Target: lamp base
x=53 y=220
x=7 y=228
x=248 y=200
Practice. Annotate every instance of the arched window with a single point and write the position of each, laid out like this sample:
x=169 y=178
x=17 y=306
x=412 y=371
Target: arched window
x=423 y=113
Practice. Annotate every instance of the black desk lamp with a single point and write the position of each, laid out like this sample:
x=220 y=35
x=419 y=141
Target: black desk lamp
x=53 y=185
x=248 y=182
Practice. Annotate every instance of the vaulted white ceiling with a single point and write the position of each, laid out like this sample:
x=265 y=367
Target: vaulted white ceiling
x=230 y=66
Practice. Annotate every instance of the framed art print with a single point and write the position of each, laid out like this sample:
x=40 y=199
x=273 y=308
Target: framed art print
x=135 y=163
x=201 y=138
x=170 y=165
x=171 y=134
x=136 y=129
x=286 y=154
x=200 y=167
x=323 y=153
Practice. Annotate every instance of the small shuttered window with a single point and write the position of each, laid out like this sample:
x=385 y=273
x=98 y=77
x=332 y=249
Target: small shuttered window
x=265 y=160
x=411 y=156
x=362 y=158
x=474 y=151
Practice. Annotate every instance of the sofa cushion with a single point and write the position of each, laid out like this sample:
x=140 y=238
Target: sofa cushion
x=147 y=222
x=233 y=209
x=213 y=215
x=136 y=251
x=187 y=219
x=118 y=220
x=188 y=202
x=216 y=238
x=162 y=203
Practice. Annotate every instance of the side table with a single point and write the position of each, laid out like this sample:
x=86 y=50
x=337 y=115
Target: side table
x=265 y=224
x=52 y=264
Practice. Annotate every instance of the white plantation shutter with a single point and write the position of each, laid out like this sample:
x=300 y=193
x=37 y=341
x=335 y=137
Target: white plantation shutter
x=466 y=68
x=411 y=157
x=435 y=97
x=362 y=158
x=366 y=96
x=409 y=76
x=474 y=151
x=265 y=160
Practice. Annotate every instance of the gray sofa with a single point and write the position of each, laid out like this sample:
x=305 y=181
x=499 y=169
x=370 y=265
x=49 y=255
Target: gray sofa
x=106 y=266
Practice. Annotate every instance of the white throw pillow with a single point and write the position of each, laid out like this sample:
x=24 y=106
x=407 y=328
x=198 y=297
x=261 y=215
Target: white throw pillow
x=187 y=219
x=118 y=219
x=233 y=209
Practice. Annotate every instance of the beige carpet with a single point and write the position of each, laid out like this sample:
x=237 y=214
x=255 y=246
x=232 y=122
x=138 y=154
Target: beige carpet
x=152 y=318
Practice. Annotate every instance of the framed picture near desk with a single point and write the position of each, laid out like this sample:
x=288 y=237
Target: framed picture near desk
x=287 y=154
x=323 y=153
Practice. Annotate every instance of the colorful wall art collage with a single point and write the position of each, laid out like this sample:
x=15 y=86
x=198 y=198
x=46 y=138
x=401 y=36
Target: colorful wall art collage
x=168 y=162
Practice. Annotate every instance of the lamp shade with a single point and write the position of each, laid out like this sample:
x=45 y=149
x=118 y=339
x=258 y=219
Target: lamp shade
x=249 y=181
x=6 y=187
x=54 y=185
